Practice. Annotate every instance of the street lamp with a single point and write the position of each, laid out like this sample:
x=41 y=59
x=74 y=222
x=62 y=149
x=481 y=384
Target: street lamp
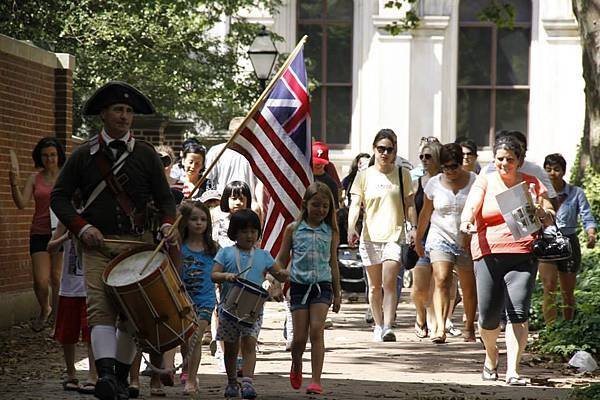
x=262 y=53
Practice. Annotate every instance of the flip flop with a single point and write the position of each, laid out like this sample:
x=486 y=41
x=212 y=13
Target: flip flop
x=439 y=339
x=313 y=388
x=37 y=325
x=71 y=385
x=421 y=331
x=87 y=388
x=158 y=392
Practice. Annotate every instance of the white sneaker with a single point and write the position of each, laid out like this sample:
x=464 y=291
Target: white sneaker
x=388 y=335
x=452 y=330
x=377 y=334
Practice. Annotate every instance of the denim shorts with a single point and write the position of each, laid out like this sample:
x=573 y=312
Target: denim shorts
x=302 y=296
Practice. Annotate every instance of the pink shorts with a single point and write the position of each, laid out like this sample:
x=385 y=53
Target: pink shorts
x=71 y=320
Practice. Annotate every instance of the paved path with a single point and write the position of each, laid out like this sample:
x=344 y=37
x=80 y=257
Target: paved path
x=355 y=368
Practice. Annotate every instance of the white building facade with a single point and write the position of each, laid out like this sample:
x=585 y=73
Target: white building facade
x=453 y=76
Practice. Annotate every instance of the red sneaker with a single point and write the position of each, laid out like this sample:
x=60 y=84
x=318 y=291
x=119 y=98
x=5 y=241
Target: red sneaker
x=314 y=388
x=296 y=377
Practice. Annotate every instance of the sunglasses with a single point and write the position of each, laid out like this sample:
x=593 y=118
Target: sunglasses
x=450 y=167
x=425 y=156
x=384 y=149
x=430 y=139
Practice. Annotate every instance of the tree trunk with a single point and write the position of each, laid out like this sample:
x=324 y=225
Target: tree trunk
x=587 y=13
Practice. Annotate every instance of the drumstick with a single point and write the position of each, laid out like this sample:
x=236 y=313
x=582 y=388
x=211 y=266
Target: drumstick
x=241 y=272
x=118 y=241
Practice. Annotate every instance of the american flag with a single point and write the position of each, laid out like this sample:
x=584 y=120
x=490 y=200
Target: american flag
x=276 y=141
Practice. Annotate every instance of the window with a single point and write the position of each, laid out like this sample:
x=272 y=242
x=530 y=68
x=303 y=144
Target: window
x=328 y=24
x=493 y=73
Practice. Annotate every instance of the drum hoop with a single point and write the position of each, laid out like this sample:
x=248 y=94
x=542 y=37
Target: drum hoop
x=122 y=256
x=251 y=287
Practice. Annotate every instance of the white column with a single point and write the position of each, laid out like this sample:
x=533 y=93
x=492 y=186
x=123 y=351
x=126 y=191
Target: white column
x=557 y=99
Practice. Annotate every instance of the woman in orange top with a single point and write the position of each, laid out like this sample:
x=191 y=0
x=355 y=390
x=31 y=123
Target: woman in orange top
x=48 y=155
x=504 y=267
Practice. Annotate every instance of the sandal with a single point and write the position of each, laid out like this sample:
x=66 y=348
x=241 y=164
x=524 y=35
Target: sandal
x=489 y=374
x=515 y=381
x=421 y=331
x=88 y=388
x=71 y=385
x=314 y=388
x=158 y=392
x=439 y=339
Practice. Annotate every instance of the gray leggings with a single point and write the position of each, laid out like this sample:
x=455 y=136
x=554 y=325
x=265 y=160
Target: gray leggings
x=504 y=280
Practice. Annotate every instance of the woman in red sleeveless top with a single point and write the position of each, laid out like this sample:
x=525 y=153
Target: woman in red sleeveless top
x=48 y=155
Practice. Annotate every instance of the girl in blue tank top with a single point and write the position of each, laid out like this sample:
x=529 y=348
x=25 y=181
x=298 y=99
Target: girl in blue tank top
x=197 y=252
x=314 y=279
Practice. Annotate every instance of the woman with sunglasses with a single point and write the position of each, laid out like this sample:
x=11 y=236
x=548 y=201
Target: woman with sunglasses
x=378 y=189
x=421 y=291
x=469 y=161
x=445 y=196
x=505 y=268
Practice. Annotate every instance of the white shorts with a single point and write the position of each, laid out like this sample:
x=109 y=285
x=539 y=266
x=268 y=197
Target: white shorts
x=373 y=253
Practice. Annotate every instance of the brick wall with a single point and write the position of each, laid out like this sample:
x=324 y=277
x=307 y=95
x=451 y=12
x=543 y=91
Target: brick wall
x=35 y=101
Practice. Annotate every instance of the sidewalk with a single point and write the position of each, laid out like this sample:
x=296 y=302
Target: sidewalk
x=31 y=366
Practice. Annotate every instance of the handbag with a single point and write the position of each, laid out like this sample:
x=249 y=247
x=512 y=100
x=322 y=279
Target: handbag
x=409 y=256
x=552 y=246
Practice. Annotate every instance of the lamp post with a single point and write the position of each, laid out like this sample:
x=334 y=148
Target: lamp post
x=262 y=54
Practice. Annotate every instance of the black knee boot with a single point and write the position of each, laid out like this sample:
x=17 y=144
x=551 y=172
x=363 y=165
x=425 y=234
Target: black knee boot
x=122 y=373
x=106 y=386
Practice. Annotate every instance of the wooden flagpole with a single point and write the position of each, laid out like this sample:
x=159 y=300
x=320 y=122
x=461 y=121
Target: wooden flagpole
x=257 y=104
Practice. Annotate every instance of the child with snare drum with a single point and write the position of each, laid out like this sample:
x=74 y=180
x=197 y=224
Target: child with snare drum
x=197 y=252
x=246 y=261
x=71 y=317
x=314 y=279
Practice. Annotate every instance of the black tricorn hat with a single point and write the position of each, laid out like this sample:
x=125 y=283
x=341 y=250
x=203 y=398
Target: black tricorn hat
x=118 y=92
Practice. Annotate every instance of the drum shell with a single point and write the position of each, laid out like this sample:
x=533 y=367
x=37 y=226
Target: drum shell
x=244 y=297
x=157 y=306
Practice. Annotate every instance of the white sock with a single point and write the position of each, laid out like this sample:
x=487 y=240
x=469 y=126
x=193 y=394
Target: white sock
x=126 y=349
x=104 y=341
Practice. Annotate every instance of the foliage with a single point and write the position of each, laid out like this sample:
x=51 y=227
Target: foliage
x=591 y=183
x=564 y=338
x=409 y=21
x=166 y=48
x=502 y=13
x=587 y=393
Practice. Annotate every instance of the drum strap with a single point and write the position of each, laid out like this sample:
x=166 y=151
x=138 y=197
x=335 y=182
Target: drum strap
x=243 y=271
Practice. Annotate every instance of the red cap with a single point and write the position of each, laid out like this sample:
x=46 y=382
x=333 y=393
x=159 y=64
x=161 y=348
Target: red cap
x=320 y=153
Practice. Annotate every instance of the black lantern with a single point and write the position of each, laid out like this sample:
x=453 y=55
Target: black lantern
x=263 y=53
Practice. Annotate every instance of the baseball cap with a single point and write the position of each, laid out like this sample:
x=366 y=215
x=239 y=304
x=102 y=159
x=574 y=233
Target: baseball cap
x=210 y=195
x=320 y=153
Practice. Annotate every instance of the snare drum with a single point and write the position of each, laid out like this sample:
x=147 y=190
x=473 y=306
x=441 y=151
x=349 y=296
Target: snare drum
x=244 y=302
x=155 y=302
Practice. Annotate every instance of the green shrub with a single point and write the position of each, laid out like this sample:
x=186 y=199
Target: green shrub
x=564 y=338
x=591 y=392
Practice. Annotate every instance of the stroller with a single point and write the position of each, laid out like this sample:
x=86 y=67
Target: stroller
x=352 y=275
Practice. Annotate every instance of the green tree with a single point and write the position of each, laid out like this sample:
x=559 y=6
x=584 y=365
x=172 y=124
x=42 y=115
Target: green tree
x=163 y=47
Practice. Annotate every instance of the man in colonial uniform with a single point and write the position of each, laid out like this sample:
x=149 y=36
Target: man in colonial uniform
x=118 y=176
